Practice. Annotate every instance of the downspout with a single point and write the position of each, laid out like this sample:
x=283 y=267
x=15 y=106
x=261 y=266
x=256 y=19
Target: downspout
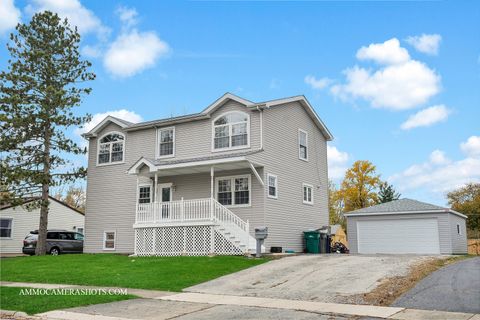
x=260 y=109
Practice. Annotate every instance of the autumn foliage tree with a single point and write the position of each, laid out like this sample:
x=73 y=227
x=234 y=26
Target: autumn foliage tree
x=75 y=197
x=359 y=186
x=466 y=200
x=335 y=206
x=44 y=82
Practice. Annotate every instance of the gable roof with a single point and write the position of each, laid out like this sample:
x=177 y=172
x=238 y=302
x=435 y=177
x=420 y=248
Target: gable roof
x=6 y=206
x=206 y=114
x=403 y=206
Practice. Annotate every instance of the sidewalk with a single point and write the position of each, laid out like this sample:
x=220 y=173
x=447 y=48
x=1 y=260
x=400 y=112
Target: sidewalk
x=178 y=303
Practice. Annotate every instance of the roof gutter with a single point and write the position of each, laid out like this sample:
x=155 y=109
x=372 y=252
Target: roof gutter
x=404 y=212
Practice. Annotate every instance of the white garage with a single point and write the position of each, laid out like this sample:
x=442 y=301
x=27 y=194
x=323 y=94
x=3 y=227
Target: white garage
x=406 y=226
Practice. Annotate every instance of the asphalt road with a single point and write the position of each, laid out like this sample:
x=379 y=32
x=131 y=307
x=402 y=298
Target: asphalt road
x=455 y=287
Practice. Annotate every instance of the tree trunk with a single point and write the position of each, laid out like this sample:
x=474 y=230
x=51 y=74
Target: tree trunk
x=41 y=248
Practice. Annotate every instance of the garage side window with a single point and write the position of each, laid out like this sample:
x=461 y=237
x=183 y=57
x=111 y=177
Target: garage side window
x=109 y=238
x=6 y=227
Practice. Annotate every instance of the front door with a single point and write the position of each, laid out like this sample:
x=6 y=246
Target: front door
x=165 y=196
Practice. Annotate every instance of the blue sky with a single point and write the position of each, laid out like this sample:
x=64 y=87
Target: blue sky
x=156 y=59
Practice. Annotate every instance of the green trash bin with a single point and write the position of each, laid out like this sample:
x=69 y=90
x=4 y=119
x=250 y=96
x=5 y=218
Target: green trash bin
x=312 y=241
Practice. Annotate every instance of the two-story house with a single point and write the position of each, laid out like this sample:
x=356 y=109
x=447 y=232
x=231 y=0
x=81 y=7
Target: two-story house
x=199 y=184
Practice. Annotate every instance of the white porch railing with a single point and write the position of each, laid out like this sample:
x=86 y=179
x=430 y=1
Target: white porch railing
x=183 y=212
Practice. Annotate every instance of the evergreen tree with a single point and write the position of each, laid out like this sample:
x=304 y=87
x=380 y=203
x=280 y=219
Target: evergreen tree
x=387 y=193
x=43 y=83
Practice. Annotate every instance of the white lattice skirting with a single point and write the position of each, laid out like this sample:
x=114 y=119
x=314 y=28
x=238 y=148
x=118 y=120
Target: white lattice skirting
x=183 y=240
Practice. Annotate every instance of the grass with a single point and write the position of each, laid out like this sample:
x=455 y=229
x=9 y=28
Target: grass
x=12 y=299
x=392 y=288
x=158 y=273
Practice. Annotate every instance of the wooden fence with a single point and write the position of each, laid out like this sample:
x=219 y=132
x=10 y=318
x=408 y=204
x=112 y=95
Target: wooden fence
x=474 y=246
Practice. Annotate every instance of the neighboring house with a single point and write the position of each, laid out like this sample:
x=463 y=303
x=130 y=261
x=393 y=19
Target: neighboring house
x=16 y=223
x=338 y=234
x=200 y=183
x=407 y=226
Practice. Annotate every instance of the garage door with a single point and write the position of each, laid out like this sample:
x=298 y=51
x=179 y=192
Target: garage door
x=398 y=236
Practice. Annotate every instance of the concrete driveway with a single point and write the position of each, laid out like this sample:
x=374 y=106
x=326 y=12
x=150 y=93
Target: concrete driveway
x=324 y=278
x=455 y=287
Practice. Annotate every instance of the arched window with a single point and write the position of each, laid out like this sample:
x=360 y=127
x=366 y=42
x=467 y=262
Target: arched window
x=231 y=131
x=111 y=148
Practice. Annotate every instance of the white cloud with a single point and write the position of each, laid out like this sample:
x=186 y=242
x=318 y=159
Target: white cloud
x=426 y=43
x=337 y=162
x=75 y=12
x=10 y=15
x=388 y=52
x=92 y=51
x=134 y=52
x=98 y=117
x=128 y=16
x=426 y=117
x=438 y=157
x=317 y=83
x=471 y=147
x=439 y=174
x=401 y=83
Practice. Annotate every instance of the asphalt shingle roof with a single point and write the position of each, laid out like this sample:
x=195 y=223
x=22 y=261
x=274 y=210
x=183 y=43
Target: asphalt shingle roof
x=400 y=205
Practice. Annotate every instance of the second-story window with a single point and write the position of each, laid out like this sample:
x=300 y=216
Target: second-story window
x=230 y=131
x=144 y=194
x=111 y=148
x=166 y=142
x=302 y=144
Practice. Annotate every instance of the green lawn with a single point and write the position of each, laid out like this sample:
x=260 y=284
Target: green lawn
x=160 y=273
x=12 y=299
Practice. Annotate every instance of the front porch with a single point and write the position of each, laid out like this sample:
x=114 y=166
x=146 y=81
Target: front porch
x=172 y=217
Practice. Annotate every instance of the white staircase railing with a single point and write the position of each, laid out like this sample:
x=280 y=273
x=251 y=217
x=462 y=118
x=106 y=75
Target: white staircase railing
x=196 y=210
x=231 y=222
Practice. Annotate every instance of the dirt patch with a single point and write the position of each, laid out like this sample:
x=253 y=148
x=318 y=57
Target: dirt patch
x=391 y=288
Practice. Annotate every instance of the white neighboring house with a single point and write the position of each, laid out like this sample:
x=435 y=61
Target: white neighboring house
x=17 y=222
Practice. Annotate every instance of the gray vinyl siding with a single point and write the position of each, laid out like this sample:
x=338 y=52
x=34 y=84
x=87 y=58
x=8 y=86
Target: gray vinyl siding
x=459 y=241
x=443 y=228
x=24 y=221
x=111 y=192
x=287 y=217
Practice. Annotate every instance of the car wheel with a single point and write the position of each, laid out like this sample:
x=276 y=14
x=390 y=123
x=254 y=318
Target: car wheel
x=54 y=251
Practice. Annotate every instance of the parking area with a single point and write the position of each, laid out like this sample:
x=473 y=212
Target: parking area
x=324 y=278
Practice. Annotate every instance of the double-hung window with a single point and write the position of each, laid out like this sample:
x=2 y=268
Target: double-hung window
x=307 y=193
x=6 y=227
x=272 y=186
x=234 y=191
x=111 y=148
x=109 y=238
x=302 y=144
x=166 y=142
x=144 y=194
x=231 y=131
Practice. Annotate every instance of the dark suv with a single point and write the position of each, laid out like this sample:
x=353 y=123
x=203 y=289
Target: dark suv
x=58 y=241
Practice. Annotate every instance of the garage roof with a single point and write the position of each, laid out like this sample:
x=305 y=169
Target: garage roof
x=402 y=206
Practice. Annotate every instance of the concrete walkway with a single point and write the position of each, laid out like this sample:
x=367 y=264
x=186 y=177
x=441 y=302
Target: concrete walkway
x=165 y=305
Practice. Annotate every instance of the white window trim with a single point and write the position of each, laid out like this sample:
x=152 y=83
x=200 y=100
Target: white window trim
x=145 y=185
x=303 y=195
x=157 y=147
x=123 y=154
x=114 y=239
x=232 y=178
x=11 y=229
x=268 y=186
x=306 y=141
x=230 y=132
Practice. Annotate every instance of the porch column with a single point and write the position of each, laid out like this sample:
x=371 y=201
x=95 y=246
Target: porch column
x=155 y=188
x=212 y=173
